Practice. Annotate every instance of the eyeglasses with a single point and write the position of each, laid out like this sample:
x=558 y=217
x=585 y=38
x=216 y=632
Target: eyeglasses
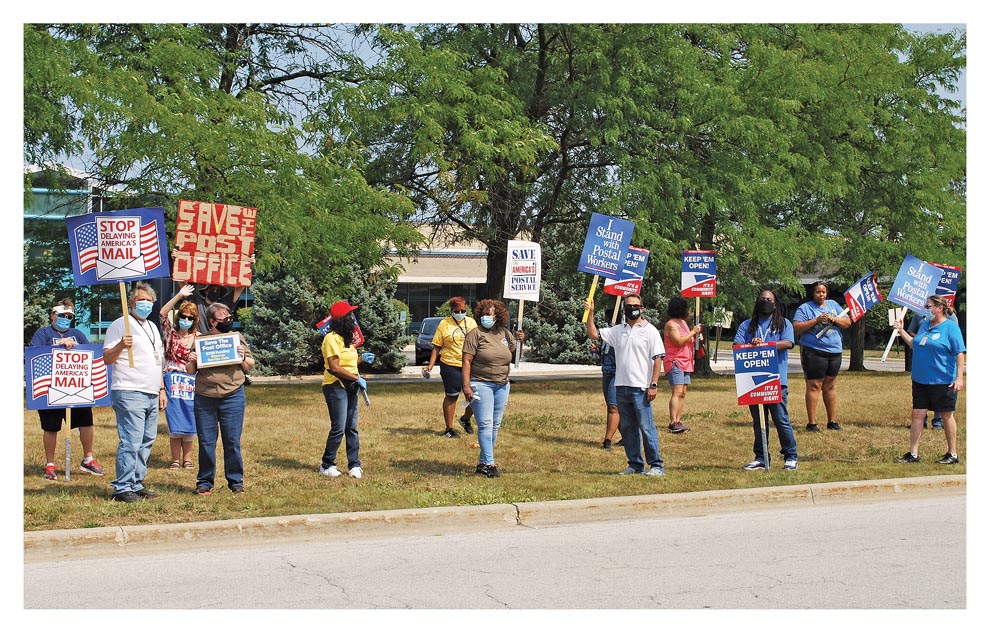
x=229 y=319
x=66 y=315
x=460 y=311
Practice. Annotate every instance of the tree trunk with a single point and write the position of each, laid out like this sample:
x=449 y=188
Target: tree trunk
x=857 y=343
x=703 y=365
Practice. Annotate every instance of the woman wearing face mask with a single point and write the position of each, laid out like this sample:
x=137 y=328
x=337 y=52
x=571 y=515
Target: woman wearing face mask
x=219 y=407
x=765 y=326
x=821 y=357
x=678 y=362
x=341 y=383
x=179 y=333
x=448 y=344
x=489 y=349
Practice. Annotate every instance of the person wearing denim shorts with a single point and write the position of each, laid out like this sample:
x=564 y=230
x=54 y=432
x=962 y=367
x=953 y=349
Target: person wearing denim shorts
x=608 y=392
x=765 y=326
x=678 y=362
x=638 y=367
x=137 y=393
x=489 y=349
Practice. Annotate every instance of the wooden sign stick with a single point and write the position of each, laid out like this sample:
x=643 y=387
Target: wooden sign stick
x=519 y=326
x=591 y=297
x=127 y=321
x=615 y=312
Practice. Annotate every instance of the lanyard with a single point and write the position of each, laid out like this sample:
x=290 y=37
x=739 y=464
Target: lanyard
x=154 y=346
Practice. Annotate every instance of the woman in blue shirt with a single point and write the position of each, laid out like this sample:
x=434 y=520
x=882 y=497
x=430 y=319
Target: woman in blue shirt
x=936 y=374
x=820 y=356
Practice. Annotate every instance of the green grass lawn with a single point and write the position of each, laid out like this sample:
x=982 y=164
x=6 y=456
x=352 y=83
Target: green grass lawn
x=548 y=449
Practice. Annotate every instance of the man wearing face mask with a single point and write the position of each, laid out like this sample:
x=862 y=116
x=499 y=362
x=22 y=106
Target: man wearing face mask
x=61 y=332
x=638 y=366
x=137 y=393
x=765 y=326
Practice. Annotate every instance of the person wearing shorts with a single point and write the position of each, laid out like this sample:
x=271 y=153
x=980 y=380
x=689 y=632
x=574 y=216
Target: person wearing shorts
x=678 y=362
x=448 y=346
x=936 y=374
x=816 y=322
x=61 y=333
x=608 y=392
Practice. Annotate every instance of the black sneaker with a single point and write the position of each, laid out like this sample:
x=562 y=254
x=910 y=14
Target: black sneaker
x=482 y=469
x=814 y=428
x=607 y=445
x=466 y=424
x=237 y=488
x=450 y=433
x=126 y=497
x=493 y=472
x=144 y=493
x=833 y=426
x=908 y=458
x=938 y=424
x=677 y=427
x=949 y=458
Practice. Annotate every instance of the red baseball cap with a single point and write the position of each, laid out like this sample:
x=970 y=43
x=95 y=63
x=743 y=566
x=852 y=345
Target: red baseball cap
x=341 y=308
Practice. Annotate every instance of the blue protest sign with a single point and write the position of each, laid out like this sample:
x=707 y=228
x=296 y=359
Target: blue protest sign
x=862 y=295
x=949 y=283
x=215 y=350
x=116 y=246
x=605 y=246
x=698 y=274
x=59 y=377
x=630 y=280
x=757 y=374
x=915 y=282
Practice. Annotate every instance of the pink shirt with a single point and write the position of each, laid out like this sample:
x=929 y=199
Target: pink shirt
x=682 y=356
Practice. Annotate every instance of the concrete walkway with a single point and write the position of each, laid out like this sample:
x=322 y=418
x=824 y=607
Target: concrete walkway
x=142 y=539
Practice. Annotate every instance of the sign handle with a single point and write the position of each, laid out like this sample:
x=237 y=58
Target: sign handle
x=68 y=443
x=828 y=327
x=591 y=297
x=615 y=312
x=127 y=322
x=766 y=432
x=519 y=326
x=893 y=335
x=697 y=321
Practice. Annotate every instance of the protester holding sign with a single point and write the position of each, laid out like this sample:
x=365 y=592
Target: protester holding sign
x=179 y=332
x=448 y=344
x=768 y=325
x=821 y=357
x=936 y=374
x=912 y=329
x=638 y=366
x=678 y=364
x=61 y=333
x=341 y=384
x=137 y=393
x=608 y=392
x=219 y=407
x=489 y=349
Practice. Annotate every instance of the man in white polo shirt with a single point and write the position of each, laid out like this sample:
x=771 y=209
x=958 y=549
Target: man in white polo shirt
x=638 y=366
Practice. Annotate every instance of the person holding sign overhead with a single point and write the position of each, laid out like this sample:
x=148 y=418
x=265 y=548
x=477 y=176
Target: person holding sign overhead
x=765 y=326
x=448 y=344
x=61 y=332
x=678 y=363
x=179 y=333
x=137 y=393
x=219 y=407
x=936 y=374
x=821 y=356
x=638 y=366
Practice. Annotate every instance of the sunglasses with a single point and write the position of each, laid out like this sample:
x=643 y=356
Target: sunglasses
x=229 y=319
x=460 y=311
x=191 y=317
x=69 y=315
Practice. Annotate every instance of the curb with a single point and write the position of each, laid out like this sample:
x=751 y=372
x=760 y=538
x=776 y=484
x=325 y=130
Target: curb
x=146 y=539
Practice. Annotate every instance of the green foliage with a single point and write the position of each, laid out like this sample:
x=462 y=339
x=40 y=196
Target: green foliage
x=378 y=317
x=280 y=327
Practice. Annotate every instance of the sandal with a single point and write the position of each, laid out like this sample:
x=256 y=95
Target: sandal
x=187 y=464
x=174 y=465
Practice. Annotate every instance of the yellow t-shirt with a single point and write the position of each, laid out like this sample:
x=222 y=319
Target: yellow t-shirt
x=449 y=339
x=333 y=345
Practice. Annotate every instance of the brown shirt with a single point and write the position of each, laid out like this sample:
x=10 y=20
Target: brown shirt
x=493 y=352
x=217 y=382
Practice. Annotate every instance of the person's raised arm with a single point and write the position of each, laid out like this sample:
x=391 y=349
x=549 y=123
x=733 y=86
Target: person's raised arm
x=589 y=305
x=184 y=293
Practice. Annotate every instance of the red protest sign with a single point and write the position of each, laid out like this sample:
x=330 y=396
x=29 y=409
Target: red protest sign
x=215 y=243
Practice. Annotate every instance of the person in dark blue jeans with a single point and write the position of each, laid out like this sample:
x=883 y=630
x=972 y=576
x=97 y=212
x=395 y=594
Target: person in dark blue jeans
x=341 y=384
x=219 y=408
x=769 y=325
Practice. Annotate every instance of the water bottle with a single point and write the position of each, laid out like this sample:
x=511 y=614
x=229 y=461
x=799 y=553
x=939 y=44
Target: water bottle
x=426 y=373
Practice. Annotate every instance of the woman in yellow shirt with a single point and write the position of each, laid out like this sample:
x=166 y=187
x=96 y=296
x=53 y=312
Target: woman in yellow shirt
x=341 y=384
x=448 y=343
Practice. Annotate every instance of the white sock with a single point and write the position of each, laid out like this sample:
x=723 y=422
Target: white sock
x=87 y=460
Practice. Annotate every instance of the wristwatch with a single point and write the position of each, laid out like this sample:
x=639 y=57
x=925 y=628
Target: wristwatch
x=653 y=385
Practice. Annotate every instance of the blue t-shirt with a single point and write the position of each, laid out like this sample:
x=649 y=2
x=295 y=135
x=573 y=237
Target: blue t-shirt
x=48 y=335
x=935 y=350
x=831 y=342
x=743 y=337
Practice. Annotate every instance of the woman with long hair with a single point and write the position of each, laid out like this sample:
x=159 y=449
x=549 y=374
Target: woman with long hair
x=341 y=384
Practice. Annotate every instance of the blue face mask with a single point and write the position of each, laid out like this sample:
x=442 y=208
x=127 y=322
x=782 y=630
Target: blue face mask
x=62 y=323
x=185 y=324
x=143 y=308
x=487 y=321
x=928 y=314
x=459 y=316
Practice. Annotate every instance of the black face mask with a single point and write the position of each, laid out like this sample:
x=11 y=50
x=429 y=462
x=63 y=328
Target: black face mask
x=224 y=326
x=764 y=307
x=632 y=312
x=215 y=293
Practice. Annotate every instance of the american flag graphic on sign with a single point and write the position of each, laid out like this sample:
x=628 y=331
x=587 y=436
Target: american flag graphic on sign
x=99 y=378
x=87 y=246
x=149 y=245
x=41 y=375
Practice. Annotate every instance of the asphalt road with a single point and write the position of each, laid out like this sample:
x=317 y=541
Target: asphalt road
x=893 y=554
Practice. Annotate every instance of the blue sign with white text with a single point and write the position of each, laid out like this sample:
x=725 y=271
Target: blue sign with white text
x=605 y=246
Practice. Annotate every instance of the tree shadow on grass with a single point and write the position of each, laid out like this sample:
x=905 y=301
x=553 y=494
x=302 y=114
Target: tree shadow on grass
x=288 y=463
x=433 y=467
x=404 y=430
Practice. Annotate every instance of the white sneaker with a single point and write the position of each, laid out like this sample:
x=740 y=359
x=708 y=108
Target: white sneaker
x=754 y=465
x=790 y=464
x=330 y=472
x=656 y=471
x=356 y=472
x=631 y=471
